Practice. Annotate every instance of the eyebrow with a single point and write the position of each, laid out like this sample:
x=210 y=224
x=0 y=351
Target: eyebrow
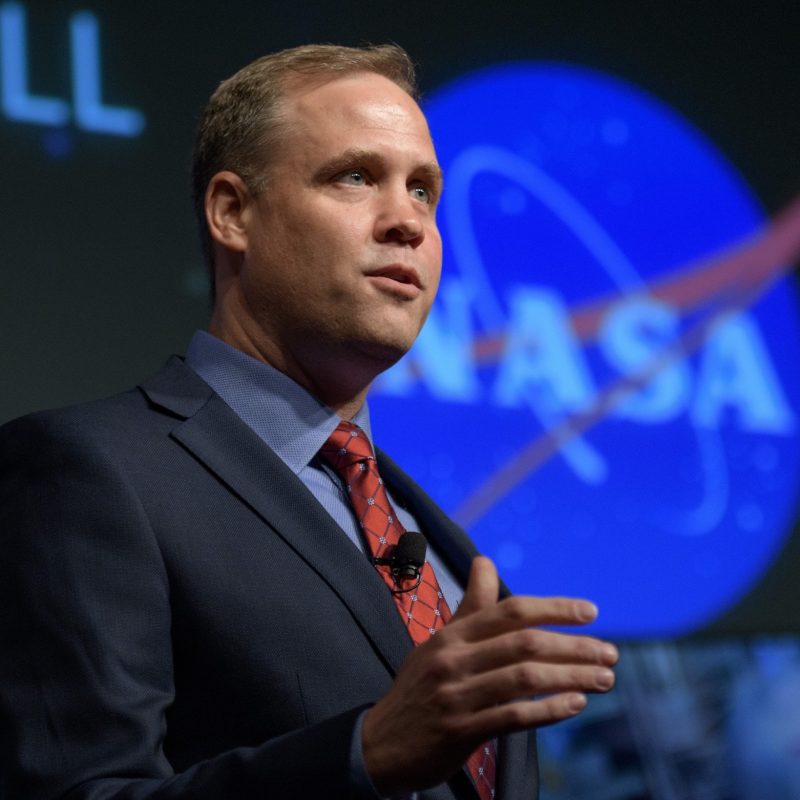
x=429 y=170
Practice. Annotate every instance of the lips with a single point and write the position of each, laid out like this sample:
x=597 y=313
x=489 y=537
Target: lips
x=400 y=273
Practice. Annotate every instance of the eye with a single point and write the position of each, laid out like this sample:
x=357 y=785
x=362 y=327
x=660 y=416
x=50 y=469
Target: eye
x=353 y=177
x=422 y=193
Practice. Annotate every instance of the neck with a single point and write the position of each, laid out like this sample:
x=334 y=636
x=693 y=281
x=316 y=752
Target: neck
x=340 y=386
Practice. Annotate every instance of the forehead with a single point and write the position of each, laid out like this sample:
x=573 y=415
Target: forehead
x=357 y=110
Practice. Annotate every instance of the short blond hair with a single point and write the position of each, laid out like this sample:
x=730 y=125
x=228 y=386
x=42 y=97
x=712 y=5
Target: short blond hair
x=241 y=123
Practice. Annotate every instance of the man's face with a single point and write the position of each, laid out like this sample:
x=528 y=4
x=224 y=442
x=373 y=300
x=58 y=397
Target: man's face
x=343 y=254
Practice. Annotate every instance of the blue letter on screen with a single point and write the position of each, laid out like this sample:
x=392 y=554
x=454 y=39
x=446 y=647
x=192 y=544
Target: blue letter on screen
x=90 y=113
x=18 y=103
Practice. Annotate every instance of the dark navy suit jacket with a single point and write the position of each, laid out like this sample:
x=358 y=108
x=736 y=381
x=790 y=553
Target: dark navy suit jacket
x=180 y=618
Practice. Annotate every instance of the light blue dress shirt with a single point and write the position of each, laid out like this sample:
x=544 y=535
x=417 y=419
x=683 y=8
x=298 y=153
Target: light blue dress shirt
x=295 y=425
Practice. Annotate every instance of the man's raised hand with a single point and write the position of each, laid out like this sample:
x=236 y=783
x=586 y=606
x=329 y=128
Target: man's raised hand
x=476 y=679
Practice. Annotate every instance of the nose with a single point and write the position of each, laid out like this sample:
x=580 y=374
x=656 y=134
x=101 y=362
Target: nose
x=398 y=220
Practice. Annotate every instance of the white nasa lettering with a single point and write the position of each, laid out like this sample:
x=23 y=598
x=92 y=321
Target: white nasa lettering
x=542 y=360
x=631 y=337
x=736 y=373
x=542 y=366
x=88 y=110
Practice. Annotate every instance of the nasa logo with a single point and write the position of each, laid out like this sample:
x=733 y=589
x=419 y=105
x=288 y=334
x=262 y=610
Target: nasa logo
x=609 y=381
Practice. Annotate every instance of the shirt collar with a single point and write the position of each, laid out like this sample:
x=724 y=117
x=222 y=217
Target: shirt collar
x=281 y=412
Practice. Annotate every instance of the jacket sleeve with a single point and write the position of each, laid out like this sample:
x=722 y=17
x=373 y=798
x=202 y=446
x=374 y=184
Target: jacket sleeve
x=85 y=644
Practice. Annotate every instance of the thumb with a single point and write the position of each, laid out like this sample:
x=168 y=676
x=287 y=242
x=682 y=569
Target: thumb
x=483 y=587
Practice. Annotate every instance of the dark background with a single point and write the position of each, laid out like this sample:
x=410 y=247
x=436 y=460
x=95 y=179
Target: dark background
x=100 y=275
x=101 y=278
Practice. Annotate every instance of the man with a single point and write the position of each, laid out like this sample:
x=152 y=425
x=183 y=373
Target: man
x=188 y=609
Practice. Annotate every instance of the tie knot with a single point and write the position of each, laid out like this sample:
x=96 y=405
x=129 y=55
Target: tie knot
x=346 y=446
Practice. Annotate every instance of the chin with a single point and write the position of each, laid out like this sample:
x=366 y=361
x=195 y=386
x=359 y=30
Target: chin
x=384 y=351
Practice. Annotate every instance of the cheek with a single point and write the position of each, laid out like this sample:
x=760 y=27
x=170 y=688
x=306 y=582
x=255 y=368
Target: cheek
x=311 y=252
x=434 y=242
x=269 y=274
x=326 y=227
x=345 y=236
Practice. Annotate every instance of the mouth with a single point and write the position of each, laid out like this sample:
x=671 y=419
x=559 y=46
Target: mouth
x=397 y=273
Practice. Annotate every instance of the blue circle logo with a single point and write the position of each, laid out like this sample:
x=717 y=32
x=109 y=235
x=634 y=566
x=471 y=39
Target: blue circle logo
x=606 y=391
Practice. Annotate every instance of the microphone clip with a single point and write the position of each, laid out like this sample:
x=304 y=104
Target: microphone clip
x=405 y=561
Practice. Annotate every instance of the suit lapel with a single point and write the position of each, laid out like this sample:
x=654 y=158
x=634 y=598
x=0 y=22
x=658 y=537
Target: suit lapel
x=216 y=436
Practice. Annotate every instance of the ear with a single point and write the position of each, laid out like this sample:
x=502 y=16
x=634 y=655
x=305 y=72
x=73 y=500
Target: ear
x=227 y=206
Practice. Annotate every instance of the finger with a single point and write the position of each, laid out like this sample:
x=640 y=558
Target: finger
x=522 y=681
x=526 y=714
x=536 y=645
x=518 y=612
x=483 y=588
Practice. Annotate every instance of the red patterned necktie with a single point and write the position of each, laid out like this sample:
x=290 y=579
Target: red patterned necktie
x=423 y=608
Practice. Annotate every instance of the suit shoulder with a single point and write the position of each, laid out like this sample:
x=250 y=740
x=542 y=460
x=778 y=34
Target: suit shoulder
x=109 y=429
x=85 y=420
x=172 y=394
